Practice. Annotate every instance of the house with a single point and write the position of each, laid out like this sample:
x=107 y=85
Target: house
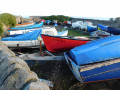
x=19 y=19
x=36 y=18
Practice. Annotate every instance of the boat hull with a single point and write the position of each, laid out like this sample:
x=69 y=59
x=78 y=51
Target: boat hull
x=24 y=24
x=96 y=72
x=23 y=44
x=60 y=44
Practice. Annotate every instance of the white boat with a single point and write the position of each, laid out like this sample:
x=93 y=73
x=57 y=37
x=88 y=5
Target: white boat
x=20 y=32
x=77 y=24
x=24 y=24
x=31 y=39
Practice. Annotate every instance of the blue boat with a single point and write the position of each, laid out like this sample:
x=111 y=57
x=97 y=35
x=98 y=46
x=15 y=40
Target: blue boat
x=91 y=29
x=114 y=31
x=28 y=27
x=97 y=60
x=25 y=40
x=101 y=27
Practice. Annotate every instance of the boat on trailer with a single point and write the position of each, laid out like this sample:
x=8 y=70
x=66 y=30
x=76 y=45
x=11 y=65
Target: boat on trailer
x=98 y=60
x=60 y=44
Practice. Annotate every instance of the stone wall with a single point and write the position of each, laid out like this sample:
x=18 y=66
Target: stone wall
x=15 y=73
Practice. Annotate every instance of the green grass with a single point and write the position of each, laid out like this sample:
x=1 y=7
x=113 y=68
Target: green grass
x=72 y=32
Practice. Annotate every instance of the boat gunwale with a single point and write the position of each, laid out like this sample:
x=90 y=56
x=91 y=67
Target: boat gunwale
x=63 y=37
x=94 y=65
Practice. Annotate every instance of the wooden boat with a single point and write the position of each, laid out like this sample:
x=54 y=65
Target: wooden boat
x=28 y=27
x=59 y=44
x=24 y=24
x=97 y=60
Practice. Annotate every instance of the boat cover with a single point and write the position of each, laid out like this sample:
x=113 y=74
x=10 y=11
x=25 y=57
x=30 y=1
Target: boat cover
x=101 y=27
x=99 y=33
x=98 y=50
x=91 y=29
x=24 y=37
x=29 y=27
x=113 y=31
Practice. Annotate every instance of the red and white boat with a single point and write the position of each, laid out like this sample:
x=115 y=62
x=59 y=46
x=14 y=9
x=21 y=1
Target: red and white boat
x=60 y=44
x=24 y=24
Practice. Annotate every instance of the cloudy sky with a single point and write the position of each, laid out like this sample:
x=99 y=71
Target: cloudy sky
x=77 y=8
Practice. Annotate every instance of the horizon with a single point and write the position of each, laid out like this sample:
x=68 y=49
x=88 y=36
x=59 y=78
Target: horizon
x=85 y=8
x=95 y=18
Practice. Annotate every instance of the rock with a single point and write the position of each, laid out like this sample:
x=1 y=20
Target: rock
x=36 y=86
x=15 y=73
x=6 y=50
x=17 y=78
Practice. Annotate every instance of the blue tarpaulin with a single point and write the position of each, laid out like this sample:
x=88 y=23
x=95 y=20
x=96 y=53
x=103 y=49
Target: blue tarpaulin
x=114 y=31
x=101 y=27
x=91 y=29
x=28 y=36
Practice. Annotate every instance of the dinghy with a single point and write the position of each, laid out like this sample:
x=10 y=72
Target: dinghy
x=97 y=60
x=60 y=44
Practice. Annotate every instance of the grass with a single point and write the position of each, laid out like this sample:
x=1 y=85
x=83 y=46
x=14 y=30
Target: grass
x=72 y=32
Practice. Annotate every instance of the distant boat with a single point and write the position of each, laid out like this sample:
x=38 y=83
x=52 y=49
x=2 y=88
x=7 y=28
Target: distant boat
x=114 y=31
x=100 y=34
x=28 y=27
x=91 y=28
x=24 y=24
x=101 y=27
x=60 y=44
x=97 y=60
x=110 y=30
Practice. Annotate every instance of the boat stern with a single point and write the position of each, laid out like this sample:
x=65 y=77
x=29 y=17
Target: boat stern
x=74 y=68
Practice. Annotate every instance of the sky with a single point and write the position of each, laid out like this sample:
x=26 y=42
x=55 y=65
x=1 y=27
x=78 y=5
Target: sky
x=74 y=8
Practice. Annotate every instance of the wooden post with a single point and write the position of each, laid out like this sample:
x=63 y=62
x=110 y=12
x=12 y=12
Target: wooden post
x=18 y=47
x=41 y=47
